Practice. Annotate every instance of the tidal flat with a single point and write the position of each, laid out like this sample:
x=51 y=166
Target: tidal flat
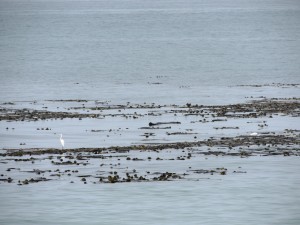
x=141 y=142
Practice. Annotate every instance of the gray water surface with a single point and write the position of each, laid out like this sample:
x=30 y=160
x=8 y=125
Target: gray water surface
x=267 y=194
x=167 y=52
x=117 y=50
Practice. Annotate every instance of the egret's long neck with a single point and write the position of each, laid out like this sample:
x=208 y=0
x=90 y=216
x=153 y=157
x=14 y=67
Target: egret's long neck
x=60 y=135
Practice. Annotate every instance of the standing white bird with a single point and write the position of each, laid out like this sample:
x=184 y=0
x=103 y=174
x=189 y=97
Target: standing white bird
x=62 y=141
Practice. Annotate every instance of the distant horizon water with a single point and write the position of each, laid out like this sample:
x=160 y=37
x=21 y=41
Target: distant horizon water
x=147 y=51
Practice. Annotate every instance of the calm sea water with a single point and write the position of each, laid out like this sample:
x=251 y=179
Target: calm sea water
x=118 y=50
x=173 y=51
x=267 y=194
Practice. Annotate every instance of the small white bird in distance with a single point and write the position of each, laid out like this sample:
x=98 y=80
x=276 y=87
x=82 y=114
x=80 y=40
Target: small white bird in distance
x=62 y=141
x=253 y=134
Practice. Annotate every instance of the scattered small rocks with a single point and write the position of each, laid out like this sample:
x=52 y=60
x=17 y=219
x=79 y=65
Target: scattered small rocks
x=162 y=123
x=33 y=180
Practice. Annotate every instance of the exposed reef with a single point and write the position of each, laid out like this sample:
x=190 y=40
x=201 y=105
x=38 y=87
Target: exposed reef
x=254 y=109
x=170 y=139
x=266 y=143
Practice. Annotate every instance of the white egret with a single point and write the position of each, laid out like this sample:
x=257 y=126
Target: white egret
x=253 y=134
x=62 y=141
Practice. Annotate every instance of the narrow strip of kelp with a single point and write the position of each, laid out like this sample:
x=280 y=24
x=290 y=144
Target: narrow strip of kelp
x=267 y=143
x=254 y=109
